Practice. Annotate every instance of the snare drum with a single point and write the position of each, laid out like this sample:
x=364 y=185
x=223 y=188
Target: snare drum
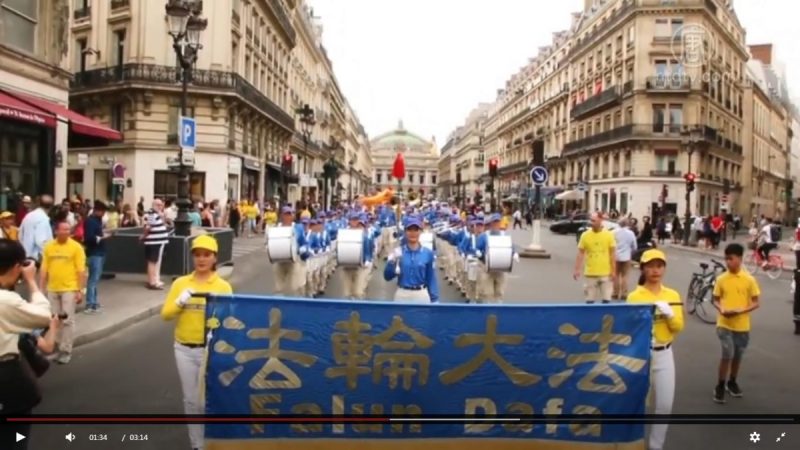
x=350 y=247
x=281 y=244
x=499 y=254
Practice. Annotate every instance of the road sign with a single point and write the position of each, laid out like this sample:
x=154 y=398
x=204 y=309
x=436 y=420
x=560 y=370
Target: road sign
x=118 y=174
x=188 y=132
x=187 y=156
x=582 y=187
x=539 y=175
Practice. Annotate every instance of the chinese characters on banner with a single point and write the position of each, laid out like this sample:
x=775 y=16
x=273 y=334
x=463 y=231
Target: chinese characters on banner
x=279 y=357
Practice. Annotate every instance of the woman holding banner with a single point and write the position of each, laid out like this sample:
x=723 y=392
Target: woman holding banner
x=189 y=311
x=667 y=323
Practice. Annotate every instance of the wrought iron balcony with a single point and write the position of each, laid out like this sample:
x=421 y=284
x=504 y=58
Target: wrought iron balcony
x=670 y=83
x=283 y=20
x=592 y=38
x=169 y=75
x=609 y=97
x=623 y=133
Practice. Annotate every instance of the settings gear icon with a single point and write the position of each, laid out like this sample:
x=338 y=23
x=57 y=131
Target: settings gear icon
x=755 y=437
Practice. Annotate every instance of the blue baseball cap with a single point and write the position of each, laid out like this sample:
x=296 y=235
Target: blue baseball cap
x=492 y=218
x=355 y=216
x=315 y=222
x=305 y=220
x=413 y=221
x=287 y=210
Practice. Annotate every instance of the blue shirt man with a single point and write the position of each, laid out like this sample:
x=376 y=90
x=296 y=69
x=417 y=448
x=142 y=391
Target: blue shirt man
x=414 y=267
x=35 y=230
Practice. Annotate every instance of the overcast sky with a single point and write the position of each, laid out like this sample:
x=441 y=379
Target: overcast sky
x=429 y=62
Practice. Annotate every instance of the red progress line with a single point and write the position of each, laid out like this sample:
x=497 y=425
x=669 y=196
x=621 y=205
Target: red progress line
x=199 y=419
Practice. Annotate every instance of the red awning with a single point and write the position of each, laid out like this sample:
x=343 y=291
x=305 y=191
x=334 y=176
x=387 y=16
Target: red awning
x=16 y=109
x=78 y=123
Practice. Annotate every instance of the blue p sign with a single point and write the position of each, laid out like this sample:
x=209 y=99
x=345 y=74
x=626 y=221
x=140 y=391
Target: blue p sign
x=188 y=132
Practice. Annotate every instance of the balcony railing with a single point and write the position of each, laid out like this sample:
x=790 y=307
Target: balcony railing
x=118 y=4
x=669 y=83
x=82 y=13
x=591 y=38
x=631 y=131
x=610 y=96
x=169 y=75
x=283 y=20
x=666 y=173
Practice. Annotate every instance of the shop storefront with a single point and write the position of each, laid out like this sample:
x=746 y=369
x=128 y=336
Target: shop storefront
x=234 y=172
x=250 y=176
x=273 y=185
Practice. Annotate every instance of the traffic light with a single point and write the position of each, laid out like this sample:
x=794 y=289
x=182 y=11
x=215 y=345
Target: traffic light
x=493 y=167
x=689 y=182
x=286 y=164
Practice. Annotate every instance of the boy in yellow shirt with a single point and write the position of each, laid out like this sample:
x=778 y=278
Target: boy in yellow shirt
x=736 y=295
x=63 y=276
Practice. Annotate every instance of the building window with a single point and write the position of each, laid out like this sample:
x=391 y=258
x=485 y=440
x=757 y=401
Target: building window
x=118 y=47
x=662 y=28
x=411 y=178
x=165 y=185
x=665 y=163
x=433 y=179
x=658 y=118
x=379 y=178
x=631 y=35
x=80 y=55
x=675 y=118
x=677 y=28
x=172 y=122
x=661 y=67
x=117 y=116
x=19 y=18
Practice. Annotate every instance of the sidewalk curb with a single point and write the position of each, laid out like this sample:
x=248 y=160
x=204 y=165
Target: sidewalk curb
x=788 y=265
x=113 y=328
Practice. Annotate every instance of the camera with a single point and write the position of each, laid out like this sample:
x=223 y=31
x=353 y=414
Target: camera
x=63 y=316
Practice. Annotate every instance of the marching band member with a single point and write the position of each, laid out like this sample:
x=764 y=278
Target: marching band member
x=469 y=248
x=290 y=276
x=453 y=239
x=332 y=226
x=413 y=266
x=388 y=221
x=491 y=285
x=356 y=279
x=461 y=267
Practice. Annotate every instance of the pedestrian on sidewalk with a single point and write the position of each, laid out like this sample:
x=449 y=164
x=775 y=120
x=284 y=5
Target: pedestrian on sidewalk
x=518 y=219
x=155 y=238
x=36 y=230
x=189 y=312
x=667 y=323
x=625 y=247
x=234 y=217
x=19 y=388
x=8 y=230
x=677 y=230
x=796 y=245
x=94 y=240
x=736 y=295
x=63 y=274
x=597 y=259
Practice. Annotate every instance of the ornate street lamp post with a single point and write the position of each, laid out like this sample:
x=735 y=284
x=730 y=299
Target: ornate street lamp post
x=185 y=27
x=307 y=122
x=351 y=164
x=690 y=139
x=330 y=172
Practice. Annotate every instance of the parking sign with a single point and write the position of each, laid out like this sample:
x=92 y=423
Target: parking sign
x=188 y=132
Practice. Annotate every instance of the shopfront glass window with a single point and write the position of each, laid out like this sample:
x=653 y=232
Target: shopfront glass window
x=19 y=161
x=165 y=185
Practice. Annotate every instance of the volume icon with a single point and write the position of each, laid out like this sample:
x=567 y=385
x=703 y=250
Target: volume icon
x=70 y=437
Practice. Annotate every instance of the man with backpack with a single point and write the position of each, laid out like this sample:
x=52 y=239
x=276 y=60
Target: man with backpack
x=768 y=239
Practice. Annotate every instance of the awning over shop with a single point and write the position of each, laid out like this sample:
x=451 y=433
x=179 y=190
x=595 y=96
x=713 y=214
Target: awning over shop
x=78 y=123
x=570 y=195
x=16 y=109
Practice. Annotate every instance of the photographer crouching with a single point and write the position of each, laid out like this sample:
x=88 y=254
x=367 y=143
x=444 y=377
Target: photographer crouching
x=20 y=361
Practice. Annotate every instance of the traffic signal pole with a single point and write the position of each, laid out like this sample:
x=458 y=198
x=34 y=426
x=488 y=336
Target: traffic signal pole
x=687 y=226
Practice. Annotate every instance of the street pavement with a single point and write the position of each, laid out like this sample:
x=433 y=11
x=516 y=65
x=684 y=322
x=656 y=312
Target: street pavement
x=133 y=370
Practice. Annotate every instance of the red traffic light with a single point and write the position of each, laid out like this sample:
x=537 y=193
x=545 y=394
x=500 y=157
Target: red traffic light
x=689 y=177
x=493 y=162
x=287 y=158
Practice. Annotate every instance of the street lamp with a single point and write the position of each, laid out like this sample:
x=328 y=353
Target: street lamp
x=690 y=139
x=185 y=27
x=307 y=122
x=329 y=171
x=351 y=164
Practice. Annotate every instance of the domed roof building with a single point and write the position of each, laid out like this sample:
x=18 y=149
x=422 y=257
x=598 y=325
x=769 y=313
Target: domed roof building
x=421 y=157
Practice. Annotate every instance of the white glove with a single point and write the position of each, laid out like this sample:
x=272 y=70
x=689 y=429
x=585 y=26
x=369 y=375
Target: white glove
x=516 y=257
x=303 y=250
x=478 y=253
x=368 y=264
x=398 y=252
x=184 y=297
x=665 y=309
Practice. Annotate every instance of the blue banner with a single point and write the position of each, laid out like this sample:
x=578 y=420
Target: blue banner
x=323 y=357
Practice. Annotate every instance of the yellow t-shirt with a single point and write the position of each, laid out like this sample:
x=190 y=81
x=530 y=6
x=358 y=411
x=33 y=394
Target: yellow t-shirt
x=251 y=212
x=597 y=247
x=735 y=291
x=664 y=330
x=504 y=221
x=271 y=217
x=64 y=263
x=190 y=327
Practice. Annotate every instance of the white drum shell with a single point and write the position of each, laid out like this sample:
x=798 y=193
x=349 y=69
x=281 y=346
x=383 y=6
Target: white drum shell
x=281 y=244
x=426 y=240
x=350 y=248
x=499 y=254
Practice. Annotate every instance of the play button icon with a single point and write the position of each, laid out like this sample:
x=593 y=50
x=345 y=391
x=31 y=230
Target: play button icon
x=20 y=437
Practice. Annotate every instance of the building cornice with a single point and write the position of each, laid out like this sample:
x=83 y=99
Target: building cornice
x=58 y=77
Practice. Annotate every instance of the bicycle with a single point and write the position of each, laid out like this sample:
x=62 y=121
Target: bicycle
x=700 y=295
x=773 y=269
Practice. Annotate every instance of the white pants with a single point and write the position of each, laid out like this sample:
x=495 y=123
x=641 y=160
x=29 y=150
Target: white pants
x=190 y=365
x=409 y=296
x=354 y=281
x=491 y=286
x=663 y=375
x=290 y=278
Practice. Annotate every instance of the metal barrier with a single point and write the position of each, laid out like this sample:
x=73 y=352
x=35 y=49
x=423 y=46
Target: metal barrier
x=125 y=252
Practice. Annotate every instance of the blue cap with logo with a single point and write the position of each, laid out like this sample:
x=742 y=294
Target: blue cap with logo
x=413 y=221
